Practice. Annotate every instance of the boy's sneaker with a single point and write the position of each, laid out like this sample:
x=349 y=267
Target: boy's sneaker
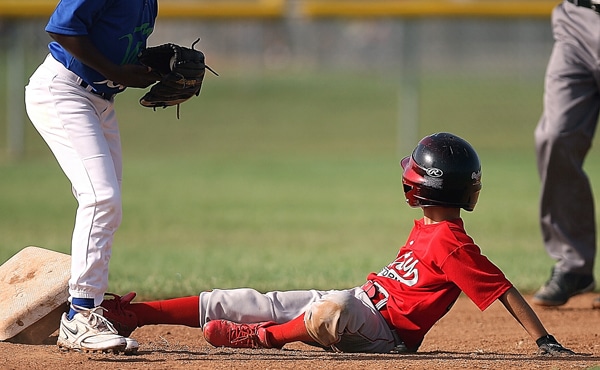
x=89 y=331
x=117 y=312
x=561 y=287
x=224 y=333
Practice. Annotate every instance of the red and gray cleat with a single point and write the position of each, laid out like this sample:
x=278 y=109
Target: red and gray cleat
x=117 y=312
x=224 y=333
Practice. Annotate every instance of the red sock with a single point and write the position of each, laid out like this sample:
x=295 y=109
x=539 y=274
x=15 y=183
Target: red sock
x=177 y=311
x=291 y=331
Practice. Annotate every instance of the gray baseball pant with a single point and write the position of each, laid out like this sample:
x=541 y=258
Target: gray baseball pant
x=360 y=327
x=563 y=138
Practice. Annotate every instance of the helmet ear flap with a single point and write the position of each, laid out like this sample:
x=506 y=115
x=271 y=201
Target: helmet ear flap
x=409 y=193
x=412 y=181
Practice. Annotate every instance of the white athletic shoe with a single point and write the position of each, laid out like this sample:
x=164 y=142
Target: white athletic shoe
x=132 y=346
x=89 y=331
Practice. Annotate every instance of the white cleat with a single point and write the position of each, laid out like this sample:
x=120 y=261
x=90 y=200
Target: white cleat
x=89 y=331
x=132 y=346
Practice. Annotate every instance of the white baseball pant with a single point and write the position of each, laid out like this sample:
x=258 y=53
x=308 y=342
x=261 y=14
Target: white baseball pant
x=81 y=130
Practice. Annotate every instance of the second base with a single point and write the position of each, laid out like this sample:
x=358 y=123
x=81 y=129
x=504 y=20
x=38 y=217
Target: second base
x=33 y=294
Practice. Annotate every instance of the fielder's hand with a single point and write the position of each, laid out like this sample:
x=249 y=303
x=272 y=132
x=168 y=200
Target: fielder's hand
x=548 y=346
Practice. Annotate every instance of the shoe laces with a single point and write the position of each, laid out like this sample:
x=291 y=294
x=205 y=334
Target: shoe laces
x=119 y=305
x=245 y=334
x=96 y=318
x=119 y=314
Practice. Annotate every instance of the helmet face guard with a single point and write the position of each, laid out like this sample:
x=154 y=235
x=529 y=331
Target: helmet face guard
x=443 y=170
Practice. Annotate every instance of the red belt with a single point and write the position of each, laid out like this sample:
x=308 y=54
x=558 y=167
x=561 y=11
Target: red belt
x=376 y=293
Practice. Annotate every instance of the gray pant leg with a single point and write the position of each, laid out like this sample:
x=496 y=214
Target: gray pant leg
x=362 y=329
x=563 y=138
x=245 y=305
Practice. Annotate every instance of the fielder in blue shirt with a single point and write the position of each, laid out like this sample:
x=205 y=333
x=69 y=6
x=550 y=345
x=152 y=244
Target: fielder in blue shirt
x=70 y=101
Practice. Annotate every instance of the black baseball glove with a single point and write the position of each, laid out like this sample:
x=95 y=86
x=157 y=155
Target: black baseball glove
x=181 y=72
x=548 y=346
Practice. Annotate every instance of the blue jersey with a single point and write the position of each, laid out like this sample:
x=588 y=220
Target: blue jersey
x=118 y=28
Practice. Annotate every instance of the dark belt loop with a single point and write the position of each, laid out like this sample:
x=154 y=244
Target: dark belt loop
x=105 y=96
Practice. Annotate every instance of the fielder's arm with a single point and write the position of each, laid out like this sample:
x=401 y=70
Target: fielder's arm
x=128 y=75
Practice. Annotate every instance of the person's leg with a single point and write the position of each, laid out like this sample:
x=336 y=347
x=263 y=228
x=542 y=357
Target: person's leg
x=83 y=136
x=343 y=320
x=195 y=311
x=99 y=212
x=243 y=305
x=563 y=138
x=73 y=128
x=291 y=331
x=243 y=318
x=127 y=316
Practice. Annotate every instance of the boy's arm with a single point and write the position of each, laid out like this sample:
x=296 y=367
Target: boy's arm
x=524 y=314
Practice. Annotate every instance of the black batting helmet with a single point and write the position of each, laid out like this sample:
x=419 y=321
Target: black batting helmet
x=443 y=170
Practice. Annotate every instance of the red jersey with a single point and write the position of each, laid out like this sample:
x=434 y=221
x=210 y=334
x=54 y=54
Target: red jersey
x=437 y=262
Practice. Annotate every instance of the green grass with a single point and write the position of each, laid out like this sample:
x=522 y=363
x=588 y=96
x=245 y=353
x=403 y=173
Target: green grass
x=287 y=181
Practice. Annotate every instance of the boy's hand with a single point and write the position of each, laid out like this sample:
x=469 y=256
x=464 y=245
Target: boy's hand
x=550 y=347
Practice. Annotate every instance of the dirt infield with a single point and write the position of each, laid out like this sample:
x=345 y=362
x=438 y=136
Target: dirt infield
x=464 y=339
